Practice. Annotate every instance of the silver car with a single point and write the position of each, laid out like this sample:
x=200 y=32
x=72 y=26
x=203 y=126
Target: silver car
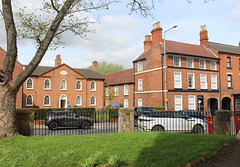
x=170 y=121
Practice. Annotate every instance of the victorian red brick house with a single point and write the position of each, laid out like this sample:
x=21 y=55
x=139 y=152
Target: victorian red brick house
x=122 y=83
x=192 y=73
x=229 y=70
x=62 y=86
x=17 y=70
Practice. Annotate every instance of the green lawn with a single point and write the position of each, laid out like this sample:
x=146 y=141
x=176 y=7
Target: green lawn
x=133 y=149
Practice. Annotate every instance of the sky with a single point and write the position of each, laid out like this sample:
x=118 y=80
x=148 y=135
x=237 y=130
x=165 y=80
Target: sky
x=119 y=37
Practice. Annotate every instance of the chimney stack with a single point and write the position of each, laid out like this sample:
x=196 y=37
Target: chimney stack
x=156 y=33
x=204 y=36
x=94 y=65
x=58 y=60
x=147 y=42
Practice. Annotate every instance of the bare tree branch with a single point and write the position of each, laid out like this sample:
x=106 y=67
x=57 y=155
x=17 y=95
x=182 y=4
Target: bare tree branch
x=54 y=7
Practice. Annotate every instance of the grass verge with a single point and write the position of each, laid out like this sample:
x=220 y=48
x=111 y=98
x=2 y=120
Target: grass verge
x=148 y=149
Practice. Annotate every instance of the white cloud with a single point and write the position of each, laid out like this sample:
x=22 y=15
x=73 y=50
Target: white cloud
x=234 y=15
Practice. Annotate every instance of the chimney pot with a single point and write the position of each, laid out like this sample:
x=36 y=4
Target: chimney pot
x=58 y=60
x=204 y=36
x=147 y=42
x=94 y=65
x=156 y=33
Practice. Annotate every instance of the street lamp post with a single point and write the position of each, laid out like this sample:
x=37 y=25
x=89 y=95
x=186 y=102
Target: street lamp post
x=165 y=65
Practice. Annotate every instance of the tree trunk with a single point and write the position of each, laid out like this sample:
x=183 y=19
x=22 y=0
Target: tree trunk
x=7 y=112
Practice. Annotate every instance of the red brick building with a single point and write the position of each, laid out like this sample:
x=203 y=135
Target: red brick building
x=122 y=84
x=62 y=86
x=192 y=73
x=17 y=70
x=229 y=72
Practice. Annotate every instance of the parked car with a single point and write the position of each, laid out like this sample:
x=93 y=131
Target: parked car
x=138 y=111
x=57 y=119
x=170 y=121
x=193 y=113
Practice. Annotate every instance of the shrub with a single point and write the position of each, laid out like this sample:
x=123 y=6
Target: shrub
x=114 y=160
x=159 y=107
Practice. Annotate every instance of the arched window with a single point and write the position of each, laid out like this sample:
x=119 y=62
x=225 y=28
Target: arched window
x=93 y=86
x=47 y=84
x=46 y=101
x=63 y=85
x=93 y=101
x=79 y=85
x=78 y=101
x=29 y=83
x=29 y=100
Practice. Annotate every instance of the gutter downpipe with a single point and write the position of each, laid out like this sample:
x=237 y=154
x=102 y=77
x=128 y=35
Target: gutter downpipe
x=220 y=84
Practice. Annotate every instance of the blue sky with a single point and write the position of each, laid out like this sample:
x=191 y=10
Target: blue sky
x=119 y=37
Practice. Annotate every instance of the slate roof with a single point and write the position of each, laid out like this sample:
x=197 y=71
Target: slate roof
x=182 y=48
x=118 y=78
x=225 y=48
x=87 y=73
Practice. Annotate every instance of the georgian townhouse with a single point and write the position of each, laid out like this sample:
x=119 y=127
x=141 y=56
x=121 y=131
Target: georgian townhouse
x=229 y=71
x=17 y=70
x=63 y=87
x=122 y=83
x=192 y=75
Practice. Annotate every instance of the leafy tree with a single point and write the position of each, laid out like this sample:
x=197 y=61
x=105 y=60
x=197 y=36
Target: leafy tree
x=108 y=94
x=45 y=26
x=106 y=68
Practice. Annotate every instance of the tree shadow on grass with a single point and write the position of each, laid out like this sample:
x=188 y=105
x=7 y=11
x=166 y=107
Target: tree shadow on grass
x=161 y=154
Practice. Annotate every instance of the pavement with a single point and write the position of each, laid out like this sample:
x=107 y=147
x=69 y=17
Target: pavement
x=227 y=156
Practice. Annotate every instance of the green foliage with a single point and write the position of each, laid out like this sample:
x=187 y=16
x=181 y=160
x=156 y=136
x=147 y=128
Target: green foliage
x=114 y=160
x=133 y=149
x=106 y=68
x=159 y=107
x=93 y=160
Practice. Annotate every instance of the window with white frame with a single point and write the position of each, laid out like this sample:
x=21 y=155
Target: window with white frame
x=29 y=100
x=191 y=102
x=213 y=82
x=190 y=63
x=191 y=81
x=93 y=101
x=78 y=85
x=213 y=65
x=140 y=84
x=178 y=102
x=63 y=85
x=125 y=103
x=116 y=90
x=203 y=81
x=140 y=66
x=139 y=102
x=228 y=62
x=176 y=61
x=229 y=78
x=29 y=84
x=125 y=89
x=78 y=101
x=93 y=86
x=202 y=64
x=47 y=84
x=46 y=101
x=177 y=80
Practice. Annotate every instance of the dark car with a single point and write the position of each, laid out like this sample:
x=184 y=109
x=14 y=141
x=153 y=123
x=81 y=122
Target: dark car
x=57 y=119
x=138 y=111
x=193 y=113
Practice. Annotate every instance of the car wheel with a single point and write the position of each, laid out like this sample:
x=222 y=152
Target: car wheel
x=158 y=128
x=53 y=126
x=198 y=129
x=85 y=125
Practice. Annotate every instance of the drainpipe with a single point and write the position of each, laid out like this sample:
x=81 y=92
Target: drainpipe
x=162 y=83
x=220 y=83
x=134 y=84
